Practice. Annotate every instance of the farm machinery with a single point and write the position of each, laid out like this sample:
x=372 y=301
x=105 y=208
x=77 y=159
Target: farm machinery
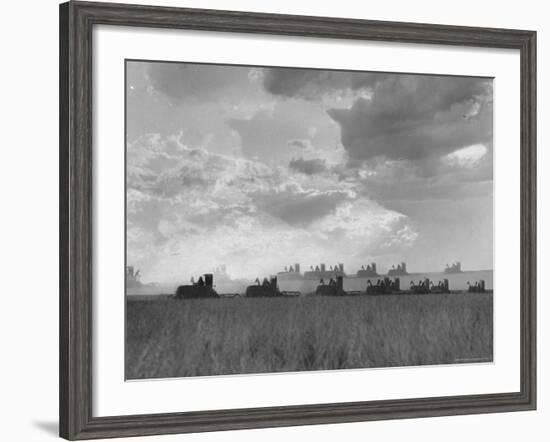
x=203 y=288
x=335 y=287
x=267 y=289
x=441 y=287
x=388 y=287
x=478 y=287
x=426 y=286
x=383 y=287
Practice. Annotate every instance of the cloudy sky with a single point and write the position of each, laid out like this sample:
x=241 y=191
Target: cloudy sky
x=258 y=168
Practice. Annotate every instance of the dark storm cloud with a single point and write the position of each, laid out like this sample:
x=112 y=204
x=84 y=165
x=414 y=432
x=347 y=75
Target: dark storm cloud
x=311 y=84
x=305 y=83
x=308 y=167
x=416 y=117
x=314 y=83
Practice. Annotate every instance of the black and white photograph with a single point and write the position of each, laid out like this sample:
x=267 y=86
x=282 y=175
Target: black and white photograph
x=257 y=221
x=286 y=219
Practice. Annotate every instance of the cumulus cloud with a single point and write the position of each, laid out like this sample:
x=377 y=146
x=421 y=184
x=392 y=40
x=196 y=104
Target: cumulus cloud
x=313 y=165
x=416 y=117
x=190 y=208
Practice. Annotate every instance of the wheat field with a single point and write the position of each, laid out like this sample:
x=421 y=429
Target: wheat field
x=203 y=337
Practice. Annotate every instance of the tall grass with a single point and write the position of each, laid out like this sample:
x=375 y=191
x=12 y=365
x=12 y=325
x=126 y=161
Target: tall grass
x=201 y=337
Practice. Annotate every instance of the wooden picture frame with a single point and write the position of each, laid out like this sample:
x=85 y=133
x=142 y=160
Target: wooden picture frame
x=76 y=243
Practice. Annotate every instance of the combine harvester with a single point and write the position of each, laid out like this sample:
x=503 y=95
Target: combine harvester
x=441 y=287
x=383 y=287
x=334 y=288
x=389 y=287
x=267 y=289
x=204 y=288
x=478 y=287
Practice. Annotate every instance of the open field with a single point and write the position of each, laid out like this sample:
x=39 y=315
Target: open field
x=201 y=337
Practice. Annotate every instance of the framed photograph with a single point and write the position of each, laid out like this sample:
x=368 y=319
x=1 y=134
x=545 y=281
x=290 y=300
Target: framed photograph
x=272 y=220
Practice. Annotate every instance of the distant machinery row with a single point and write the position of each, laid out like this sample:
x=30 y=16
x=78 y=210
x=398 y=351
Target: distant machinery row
x=204 y=288
x=370 y=270
x=292 y=272
x=385 y=286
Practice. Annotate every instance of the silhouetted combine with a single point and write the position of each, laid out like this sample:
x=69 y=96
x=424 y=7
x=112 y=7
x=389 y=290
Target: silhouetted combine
x=201 y=289
x=441 y=287
x=422 y=287
x=389 y=287
x=333 y=288
x=385 y=287
x=267 y=289
x=426 y=286
x=478 y=287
